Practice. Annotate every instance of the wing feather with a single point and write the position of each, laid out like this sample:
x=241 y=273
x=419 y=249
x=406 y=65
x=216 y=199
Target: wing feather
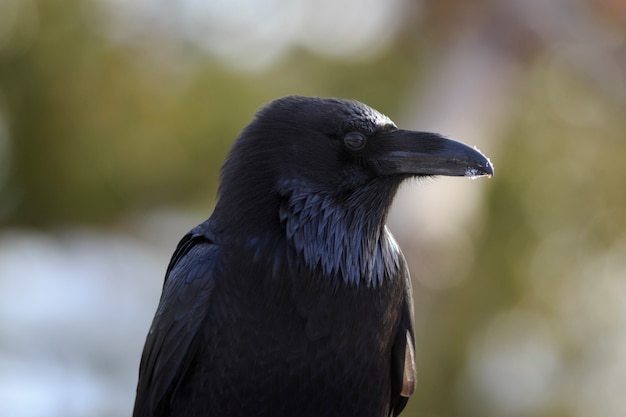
x=187 y=290
x=403 y=373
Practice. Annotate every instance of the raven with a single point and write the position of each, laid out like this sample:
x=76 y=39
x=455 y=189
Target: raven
x=293 y=299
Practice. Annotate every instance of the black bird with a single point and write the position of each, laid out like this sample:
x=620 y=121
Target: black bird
x=293 y=299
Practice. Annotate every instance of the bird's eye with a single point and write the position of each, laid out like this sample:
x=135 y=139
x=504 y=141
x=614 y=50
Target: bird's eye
x=355 y=140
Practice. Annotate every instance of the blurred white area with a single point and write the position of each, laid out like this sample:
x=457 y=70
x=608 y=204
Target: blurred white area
x=75 y=309
x=513 y=365
x=250 y=34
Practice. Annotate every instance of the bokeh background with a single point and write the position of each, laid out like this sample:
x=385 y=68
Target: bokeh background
x=115 y=116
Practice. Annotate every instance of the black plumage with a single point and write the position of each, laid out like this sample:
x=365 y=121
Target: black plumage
x=293 y=299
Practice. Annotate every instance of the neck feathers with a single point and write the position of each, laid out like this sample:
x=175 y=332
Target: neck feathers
x=344 y=240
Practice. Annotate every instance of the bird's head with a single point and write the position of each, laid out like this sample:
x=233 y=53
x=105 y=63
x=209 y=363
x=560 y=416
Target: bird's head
x=337 y=148
x=323 y=172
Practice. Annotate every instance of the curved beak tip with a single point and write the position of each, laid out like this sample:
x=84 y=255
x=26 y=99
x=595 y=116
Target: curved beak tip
x=484 y=169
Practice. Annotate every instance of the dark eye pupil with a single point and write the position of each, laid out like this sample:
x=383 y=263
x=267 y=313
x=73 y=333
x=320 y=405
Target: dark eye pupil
x=354 y=140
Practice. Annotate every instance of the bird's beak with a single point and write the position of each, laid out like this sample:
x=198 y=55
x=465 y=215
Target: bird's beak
x=421 y=153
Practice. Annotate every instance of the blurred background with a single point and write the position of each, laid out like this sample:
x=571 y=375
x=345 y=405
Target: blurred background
x=115 y=116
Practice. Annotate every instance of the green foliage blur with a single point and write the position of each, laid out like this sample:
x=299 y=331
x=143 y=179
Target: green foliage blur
x=552 y=248
x=97 y=128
